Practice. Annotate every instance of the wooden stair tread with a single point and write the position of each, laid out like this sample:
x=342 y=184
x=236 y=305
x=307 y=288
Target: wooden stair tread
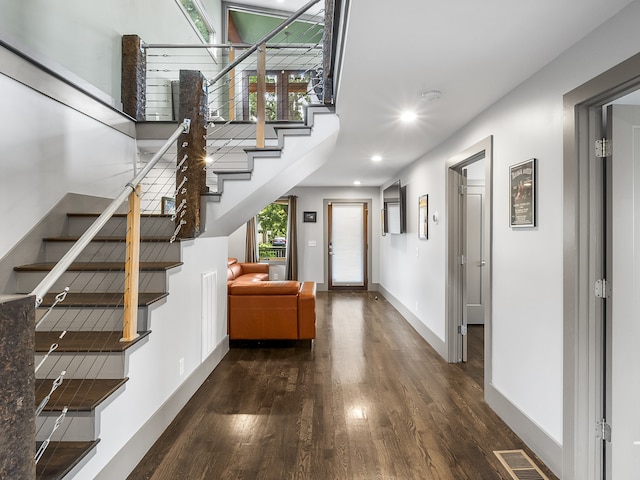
x=120 y=215
x=119 y=239
x=84 y=342
x=96 y=266
x=60 y=457
x=107 y=299
x=78 y=395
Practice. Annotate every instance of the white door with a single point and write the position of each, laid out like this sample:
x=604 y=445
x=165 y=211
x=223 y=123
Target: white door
x=622 y=455
x=474 y=252
x=347 y=245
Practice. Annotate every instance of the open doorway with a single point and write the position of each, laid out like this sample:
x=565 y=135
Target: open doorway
x=469 y=252
x=601 y=331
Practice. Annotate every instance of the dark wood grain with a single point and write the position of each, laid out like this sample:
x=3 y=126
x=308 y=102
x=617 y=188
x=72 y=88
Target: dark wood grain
x=96 y=266
x=60 y=457
x=368 y=400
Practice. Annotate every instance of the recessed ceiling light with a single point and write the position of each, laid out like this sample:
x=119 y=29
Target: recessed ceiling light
x=408 y=117
x=376 y=158
x=356 y=182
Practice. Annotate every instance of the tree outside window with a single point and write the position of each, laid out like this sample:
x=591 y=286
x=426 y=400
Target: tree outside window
x=272 y=229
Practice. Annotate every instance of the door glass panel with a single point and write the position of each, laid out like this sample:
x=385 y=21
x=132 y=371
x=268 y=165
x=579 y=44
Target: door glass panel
x=347 y=260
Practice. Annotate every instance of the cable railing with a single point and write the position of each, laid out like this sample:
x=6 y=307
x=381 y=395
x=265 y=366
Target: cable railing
x=105 y=269
x=251 y=88
x=113 y=264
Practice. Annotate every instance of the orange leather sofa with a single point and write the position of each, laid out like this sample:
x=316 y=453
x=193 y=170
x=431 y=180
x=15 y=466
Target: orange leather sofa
x=272 y=310
x=246 y=272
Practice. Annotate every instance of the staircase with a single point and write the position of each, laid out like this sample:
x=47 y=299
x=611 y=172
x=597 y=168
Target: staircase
x=91 y=354
x=243 y=178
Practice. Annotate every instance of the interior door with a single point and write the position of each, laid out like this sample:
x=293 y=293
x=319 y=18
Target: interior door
x=464 y=212
x=475 y=252
x=347 y=245
x=622 y=398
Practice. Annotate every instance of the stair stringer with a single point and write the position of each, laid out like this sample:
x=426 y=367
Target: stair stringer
x=271 y=177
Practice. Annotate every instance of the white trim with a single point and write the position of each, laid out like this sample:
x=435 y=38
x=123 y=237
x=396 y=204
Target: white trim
x=123 y=463
x=425 y=332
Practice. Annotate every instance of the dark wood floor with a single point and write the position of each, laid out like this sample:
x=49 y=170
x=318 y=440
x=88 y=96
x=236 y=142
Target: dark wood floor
x=368 y=400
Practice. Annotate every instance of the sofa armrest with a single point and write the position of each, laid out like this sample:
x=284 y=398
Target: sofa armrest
x=307 y=311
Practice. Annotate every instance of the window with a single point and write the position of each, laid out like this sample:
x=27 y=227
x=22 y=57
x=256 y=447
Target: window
x=199 y=19
x=286 y=95
x=272 y=231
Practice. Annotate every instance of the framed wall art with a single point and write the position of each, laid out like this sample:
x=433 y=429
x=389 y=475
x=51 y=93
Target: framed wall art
x=522 y=194
x=423 y=217
x=168 y=205
x=309 y=217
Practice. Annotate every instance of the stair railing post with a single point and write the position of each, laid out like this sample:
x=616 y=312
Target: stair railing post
x=134 y=77
x=17 y=395
x=191 y=177
x=262 y=92
x=132 y=268
x=232 y=86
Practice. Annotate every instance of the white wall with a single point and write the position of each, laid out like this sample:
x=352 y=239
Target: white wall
x=527 y=263
x=88 y=34
x=311 y=259
x=154 y=375
x=49 y=150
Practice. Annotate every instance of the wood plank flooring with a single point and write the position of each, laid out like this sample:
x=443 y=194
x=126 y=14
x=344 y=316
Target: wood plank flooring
x=368 y=400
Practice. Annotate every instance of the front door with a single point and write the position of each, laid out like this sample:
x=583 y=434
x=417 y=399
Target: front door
x=347 y=245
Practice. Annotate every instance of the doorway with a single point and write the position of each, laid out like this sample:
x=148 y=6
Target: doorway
x=347 y=256
x=468 y=283
x=601 y=330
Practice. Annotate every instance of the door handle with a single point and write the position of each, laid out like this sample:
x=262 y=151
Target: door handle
x=482 y=263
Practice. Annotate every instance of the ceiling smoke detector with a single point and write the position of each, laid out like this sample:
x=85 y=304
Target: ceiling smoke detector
x=430 y=95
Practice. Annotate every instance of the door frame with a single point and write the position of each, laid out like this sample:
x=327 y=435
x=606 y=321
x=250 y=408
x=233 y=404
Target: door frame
x=454 y=274
x=582 y=249
x=367 y=265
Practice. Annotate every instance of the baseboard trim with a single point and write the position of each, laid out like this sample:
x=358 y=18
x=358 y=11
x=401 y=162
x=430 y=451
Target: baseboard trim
x=425 y=332
x=123 y=463
x=548 y=449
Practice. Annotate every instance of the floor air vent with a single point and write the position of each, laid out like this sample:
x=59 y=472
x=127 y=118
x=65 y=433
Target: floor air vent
x=519 y=465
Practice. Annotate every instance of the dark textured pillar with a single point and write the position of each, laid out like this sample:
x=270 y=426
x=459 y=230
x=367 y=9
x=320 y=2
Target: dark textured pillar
x=193 y=105
x=17 y=392
x=134 y=77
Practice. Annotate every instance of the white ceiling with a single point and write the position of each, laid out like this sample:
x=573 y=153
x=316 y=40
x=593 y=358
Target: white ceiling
x=473 y=52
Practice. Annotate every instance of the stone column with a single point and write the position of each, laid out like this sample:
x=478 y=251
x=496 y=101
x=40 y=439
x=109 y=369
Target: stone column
x=134 y=77
x=17 y=395
x=193 y=106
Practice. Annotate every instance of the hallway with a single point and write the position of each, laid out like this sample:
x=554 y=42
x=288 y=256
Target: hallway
x=369 y=400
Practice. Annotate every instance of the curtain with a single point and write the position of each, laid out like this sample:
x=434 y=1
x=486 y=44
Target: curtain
x=251 y=246
x=292 y=240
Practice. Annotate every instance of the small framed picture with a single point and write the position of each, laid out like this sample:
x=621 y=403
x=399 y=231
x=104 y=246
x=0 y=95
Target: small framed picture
x=168 y=205
x=423 y=217
x=309 y=217
x=522 y=194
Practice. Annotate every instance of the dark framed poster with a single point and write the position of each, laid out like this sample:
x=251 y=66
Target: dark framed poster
x=522 y=201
